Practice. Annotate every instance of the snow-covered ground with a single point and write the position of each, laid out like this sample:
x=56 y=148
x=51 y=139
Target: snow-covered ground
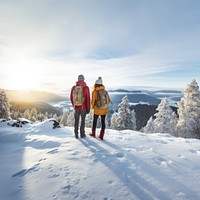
x=41 y=163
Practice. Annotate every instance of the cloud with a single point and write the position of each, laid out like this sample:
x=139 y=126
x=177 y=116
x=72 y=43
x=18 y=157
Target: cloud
x=126 y=42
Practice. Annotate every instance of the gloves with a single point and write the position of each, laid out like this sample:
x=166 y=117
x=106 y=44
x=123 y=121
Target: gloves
x=87 y=111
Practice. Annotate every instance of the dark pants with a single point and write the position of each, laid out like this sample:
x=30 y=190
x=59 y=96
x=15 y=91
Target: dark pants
x=103 y=125
x=77 y=115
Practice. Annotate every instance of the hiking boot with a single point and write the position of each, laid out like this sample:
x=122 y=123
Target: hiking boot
x=83 y=135
x=76 y=136
x=101 y=135
x=92 y=133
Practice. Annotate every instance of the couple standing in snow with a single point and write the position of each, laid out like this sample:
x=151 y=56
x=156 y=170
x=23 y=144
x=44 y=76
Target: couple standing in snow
x=83 y=108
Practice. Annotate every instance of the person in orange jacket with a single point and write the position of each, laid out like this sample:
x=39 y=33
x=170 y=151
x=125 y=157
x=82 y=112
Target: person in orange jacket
x=98 y=111
x=81 y=110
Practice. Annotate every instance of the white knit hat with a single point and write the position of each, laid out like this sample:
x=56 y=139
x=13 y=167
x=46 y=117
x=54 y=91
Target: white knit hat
x=99 y=81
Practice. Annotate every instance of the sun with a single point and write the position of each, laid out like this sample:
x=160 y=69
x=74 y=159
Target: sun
x=23 y=78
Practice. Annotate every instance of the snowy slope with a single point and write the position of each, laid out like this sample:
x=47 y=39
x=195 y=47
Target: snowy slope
x=41 y=163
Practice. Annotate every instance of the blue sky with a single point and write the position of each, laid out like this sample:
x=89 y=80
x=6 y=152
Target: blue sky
x=46 y=44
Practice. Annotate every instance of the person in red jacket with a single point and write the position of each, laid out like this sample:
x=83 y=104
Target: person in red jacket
x=81 y=110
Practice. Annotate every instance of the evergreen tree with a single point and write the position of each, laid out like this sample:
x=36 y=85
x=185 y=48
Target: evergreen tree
x=89 y=120
x=46 y=115
x=64 y=117
x=33 y=114
x=16 y=114
x=164 y=118
x=59 y=118
x=4 y=105
x=188 y=125
x=174 y=121
x=125 y=118
x=55 y=117
x=107 y=121
x=26 y=114
x=33 y=119
x=113 y=121
x=70 y=119
x=149 y=128
x=40 y=117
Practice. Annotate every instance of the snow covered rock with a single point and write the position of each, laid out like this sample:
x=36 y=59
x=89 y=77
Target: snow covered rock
x=49 y=123
x=18 y=122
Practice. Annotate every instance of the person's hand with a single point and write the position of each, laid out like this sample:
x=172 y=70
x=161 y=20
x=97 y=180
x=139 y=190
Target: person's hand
x=87 y=111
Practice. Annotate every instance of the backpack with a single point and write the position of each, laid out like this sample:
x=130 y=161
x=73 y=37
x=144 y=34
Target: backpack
x=102 y=99
x=78 y=97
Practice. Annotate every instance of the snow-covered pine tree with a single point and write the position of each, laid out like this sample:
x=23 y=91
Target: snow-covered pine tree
x=163 y=122
x=70 y=119
x=188 y=125
x=113 y=121
x=4 y=105
x=26 y=114
x=125 y=118
x=40 y=117
x=132 y=123
x=46 y=115
x=174 y=121
x=15 y=115
x=33 y=114
x=88 y=120
x=185 y=123
x=55 y=116
x=64 y=118
x=149 y=128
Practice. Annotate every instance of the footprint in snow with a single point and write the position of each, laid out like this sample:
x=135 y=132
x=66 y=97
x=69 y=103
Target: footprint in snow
x=195 y=151
x=66 y=189
x=163 y=162
x=119 y=155
x=142 y=149
x=95 y=160
x=53 y=151
x=53 y=174
x=23 y=172
x=181 y=156
x=42 y=159
x=20 y=173
x=110 y=182
x=181 y=195
x=54 y=197
x=162 y=142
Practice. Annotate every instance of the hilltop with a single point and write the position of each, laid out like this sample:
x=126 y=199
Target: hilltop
x=39 y=162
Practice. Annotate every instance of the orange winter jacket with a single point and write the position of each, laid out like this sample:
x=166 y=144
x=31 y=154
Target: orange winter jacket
x=98 y=111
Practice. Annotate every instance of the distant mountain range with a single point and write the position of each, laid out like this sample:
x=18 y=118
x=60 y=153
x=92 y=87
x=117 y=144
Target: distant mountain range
x=34 y=96
x=143 y=96
x=144 y=102
x=41 y=107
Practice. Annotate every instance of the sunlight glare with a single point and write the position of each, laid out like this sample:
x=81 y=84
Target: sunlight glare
x=23 y=78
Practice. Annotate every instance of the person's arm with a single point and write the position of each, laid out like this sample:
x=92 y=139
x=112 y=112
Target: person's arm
x=87 y=98
x=71 y=96
x=93 y=98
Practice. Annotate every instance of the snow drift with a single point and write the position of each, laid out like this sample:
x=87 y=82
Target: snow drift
x=39 y=162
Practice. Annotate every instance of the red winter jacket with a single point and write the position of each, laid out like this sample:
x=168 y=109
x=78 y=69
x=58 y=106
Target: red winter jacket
x=86 y=93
